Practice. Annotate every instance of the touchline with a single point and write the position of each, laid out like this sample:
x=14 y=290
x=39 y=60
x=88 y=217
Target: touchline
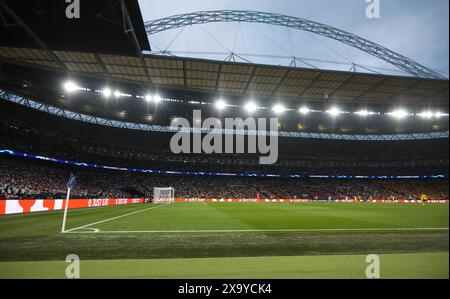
x=210 y=137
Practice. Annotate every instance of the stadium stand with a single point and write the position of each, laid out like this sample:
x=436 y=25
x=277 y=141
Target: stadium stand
x=29 y=131
x=40 y=133
x=41 y=179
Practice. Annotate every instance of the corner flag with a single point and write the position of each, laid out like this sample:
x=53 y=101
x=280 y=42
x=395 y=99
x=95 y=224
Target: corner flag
x=70 y=185
x=72 y=181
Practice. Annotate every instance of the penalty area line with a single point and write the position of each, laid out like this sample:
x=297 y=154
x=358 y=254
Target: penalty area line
x=72 y=230
x=260 y=230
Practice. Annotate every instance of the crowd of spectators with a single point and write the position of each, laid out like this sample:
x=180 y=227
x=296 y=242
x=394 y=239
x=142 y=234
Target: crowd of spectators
x=21 y=178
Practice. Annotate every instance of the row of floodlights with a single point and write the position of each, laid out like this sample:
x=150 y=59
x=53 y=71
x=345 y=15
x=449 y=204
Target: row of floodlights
x=334 y=111
x=71 y=87
x=252 y=106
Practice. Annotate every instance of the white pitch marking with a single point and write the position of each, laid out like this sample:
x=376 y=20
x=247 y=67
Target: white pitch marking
x=109 y=219
x=90 y=229
x=267 y=230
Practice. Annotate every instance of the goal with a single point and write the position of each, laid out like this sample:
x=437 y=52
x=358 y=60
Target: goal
x=163 y=195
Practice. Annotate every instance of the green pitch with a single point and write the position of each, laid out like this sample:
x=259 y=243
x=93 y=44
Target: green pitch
x=230 y=240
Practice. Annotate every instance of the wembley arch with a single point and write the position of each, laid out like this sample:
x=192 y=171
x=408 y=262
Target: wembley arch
x=219 y=16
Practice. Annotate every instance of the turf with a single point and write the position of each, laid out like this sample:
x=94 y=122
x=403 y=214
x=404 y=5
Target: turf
x=226 y=231
x=233 y=216
x=410 y=265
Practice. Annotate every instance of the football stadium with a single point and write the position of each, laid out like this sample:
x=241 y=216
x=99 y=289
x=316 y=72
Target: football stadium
x=121 y=157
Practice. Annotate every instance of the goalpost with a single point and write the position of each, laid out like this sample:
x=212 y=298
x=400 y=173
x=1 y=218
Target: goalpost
x=163 y=195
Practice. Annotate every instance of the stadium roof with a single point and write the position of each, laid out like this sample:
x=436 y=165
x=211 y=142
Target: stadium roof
x=235 y=78
x=105 y=26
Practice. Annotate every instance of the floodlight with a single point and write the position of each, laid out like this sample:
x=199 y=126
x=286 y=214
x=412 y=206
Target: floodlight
x=363 y=113
x=156 y=99
x=334 y=111
x=304 y=110
x=70 y=86
x=400 y=113
x=106 y=92
x=148 y=98
x=250 y=107
x=278 y=109
x=426 y=114
x=440 y=114
x=221 y=104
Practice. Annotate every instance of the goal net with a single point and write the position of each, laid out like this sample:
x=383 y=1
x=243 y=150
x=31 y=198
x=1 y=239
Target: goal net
x=163 y=194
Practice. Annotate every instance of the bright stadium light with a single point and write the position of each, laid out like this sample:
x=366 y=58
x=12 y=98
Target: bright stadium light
x=250 y=107
x=426 y=114
x=148 y=98
x=278 y=109
x=106 y=92
x=304 y=110
x=117 y=93
x=364 y=113
x=156 y=99
x=70 y=86
x=220 y=104
x=440 y=114
x=399 y=113
x=334 y=111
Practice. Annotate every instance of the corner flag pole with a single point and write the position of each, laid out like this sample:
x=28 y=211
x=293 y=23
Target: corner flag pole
x=70 y=185
x=63 y=228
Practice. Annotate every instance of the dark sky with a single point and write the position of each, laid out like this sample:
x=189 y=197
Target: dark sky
x=417 y=29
